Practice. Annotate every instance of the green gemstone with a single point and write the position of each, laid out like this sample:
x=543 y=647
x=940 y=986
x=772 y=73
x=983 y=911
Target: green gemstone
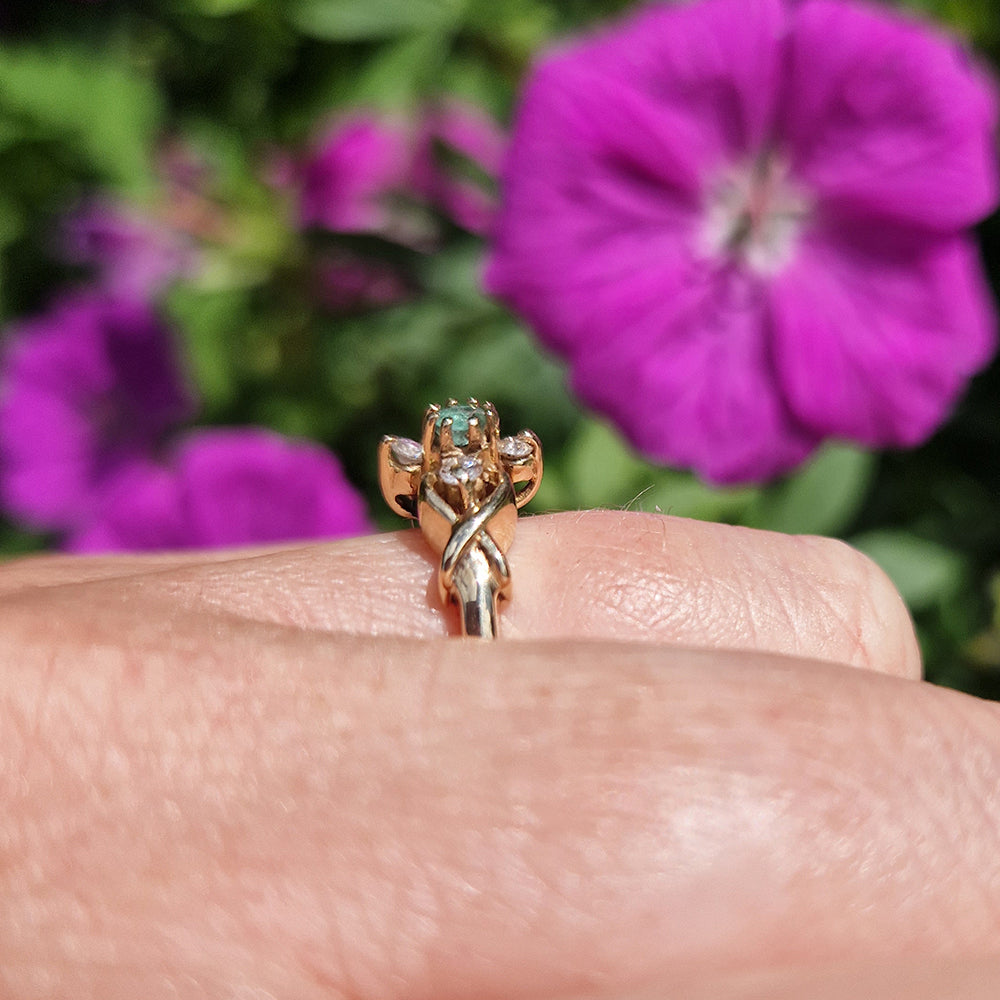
x=460 y=416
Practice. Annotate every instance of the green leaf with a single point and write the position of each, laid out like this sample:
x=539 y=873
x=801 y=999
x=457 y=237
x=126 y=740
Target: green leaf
x=222 y=8
x=108 y=110
x=11 y=221
x=600 y=470
x=552 y=494
x=490 y=357
x=400 y=72
x=975 y=19
x=210 y=323
x=518 y=28
x=16 y=542
x=10 y=133
x=821 y=499
x=354 y=20
x=924 y=572
x=391 y=347
x=683 y=495
x=455 y=274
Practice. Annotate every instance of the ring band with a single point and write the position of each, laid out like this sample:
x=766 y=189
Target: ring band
x=464 y=485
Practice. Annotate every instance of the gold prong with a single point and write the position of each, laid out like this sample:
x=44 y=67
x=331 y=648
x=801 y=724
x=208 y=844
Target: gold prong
x=427 y=434
x=492 y=420
x=446 y=442
x=475 y=433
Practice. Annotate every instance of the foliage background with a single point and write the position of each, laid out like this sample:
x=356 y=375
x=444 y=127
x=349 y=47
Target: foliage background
x=93 y=95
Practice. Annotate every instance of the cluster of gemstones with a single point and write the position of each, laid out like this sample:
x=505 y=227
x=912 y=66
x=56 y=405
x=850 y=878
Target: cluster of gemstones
x=463 y=454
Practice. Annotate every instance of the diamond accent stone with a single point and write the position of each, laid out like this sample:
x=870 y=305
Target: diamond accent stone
x=515 y=449
x=462 y=469
x=406 y=451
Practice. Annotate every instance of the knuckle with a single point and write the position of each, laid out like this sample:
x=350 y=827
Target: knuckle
x=870 y=607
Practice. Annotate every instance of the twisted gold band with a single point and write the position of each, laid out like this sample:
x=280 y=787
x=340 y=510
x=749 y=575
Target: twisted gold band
x=464 y=484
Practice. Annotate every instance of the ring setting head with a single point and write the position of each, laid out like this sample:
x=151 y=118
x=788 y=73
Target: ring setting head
x=470 y=430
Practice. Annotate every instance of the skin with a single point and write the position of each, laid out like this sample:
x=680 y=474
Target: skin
x=705 y=767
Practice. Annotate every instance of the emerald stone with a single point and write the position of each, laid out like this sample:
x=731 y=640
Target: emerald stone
x=460 y=416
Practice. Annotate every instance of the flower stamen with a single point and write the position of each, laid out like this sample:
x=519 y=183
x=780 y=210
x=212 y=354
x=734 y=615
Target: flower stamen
x=753 y=216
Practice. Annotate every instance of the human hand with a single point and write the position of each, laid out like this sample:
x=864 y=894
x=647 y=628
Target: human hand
x=267 y=774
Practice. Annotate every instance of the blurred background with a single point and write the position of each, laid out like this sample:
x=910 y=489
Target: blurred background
x=271 y=216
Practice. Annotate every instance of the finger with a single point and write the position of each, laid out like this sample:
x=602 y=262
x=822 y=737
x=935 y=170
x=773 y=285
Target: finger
x=58 y=570
x=597 y=575
x=249 y=806
x=917 y=979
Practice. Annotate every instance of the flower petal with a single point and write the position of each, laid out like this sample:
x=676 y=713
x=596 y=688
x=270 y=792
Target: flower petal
x=140 y=511
x=225 y=487
x=46 y=460
x=468 y=134
x=588 y=168
x=358 y=165
x=695 y=385
x=150 y=388
x=613 y=142
x=86 y=387
x=135 y=256
x=878 y=330
x=889 y=117
x=711 y=70
x=245 y=485
x=604 y=284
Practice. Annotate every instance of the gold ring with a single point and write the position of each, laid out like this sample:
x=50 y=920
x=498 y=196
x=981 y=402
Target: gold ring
x=464 y=484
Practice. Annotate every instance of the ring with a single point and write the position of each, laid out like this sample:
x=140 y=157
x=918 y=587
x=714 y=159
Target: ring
x=464 y=484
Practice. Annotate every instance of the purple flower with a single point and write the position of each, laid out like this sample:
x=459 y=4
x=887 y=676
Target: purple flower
x=226 y=487
x=134 y=256
x=744 y=222
x=344 y=283
x=458 y=182
x=87 y=388
x=371 y=174
x=358 y=180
